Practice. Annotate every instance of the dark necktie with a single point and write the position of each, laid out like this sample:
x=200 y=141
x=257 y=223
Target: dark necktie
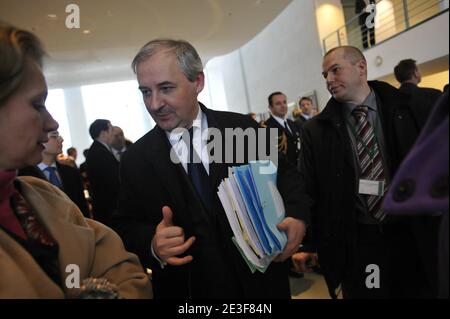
x=53 y=178
x=119 y=155
x=369 y=156
x=288 y=129
x=198 y=175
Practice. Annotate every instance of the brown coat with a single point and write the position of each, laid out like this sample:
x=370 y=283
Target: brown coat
x=95 y=248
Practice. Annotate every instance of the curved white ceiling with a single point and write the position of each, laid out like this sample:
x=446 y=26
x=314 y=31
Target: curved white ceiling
x=119 y=28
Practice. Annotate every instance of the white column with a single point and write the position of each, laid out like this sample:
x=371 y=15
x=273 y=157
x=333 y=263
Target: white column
x=79 y=129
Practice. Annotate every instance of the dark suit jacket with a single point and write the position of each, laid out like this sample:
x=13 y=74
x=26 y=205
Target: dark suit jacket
x=71 y=182
x=327 y=169
x=150 y=180
x=422 y=100
x=300 y=122
x=293 y=139
x=103 y=175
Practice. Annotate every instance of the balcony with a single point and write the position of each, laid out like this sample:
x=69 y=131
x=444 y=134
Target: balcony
x=392 y=18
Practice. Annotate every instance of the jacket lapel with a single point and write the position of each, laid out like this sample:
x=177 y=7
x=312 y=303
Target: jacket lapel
x=279 y=126
x=332 y=116
x=217 y=171
x=169 y=174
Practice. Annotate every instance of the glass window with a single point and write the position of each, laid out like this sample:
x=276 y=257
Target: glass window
x=119 y=102
x=56 y=105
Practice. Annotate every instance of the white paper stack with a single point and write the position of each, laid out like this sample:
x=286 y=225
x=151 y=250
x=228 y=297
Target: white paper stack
x=254 y=207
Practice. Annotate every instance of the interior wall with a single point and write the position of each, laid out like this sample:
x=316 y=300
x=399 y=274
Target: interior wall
x=436 y=81
x=286 y=56
x=423 y=43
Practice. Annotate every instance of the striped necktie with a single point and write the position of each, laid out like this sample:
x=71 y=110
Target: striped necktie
x=370 y=160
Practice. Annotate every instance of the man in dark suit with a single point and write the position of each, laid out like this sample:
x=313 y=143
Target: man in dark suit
x=65 y=177
x=102 y=171
x=422 y=99
x=349 y=154
x=169 y=213
x=119 y=143
x=288 y=132
x=367 y=26
x=305 y=106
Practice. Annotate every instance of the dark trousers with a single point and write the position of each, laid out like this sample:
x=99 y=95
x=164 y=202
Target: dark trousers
x=392 y=248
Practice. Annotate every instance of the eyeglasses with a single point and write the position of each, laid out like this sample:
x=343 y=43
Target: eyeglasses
x=54 y=135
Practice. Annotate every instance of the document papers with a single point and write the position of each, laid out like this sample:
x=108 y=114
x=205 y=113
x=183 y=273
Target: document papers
x=254 y=208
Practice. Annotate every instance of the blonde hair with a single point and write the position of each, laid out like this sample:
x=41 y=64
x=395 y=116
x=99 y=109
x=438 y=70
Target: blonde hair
x=16 y=46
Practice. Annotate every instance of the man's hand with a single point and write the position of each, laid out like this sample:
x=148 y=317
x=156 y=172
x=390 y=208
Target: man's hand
x=295 y=230
x=304 y=262
x=169 y=241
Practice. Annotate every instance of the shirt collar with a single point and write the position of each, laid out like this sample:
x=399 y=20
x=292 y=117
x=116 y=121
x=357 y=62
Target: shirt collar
x=370 y=102
x=279 y=119
x=200 y=122
x=306 y=117
x=105 y=145
x=42 y=166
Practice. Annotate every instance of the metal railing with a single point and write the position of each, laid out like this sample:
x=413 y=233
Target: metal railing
x=392 y=17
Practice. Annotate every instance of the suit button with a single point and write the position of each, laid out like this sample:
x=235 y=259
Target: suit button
x=404 y=190
x=440 y=187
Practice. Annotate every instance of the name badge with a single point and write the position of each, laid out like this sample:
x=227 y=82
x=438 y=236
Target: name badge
x=368 y=187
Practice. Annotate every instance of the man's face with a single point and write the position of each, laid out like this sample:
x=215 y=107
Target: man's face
x=170 y=98
x=418 y=75
x=74 y=154
x=107 y=136
x=119 y=139
x=279 y=105
x=343 y=78
x=54 y=145
x=306 y=106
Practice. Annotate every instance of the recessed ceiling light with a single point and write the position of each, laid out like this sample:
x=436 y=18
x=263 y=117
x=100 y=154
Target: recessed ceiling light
x=86 y=31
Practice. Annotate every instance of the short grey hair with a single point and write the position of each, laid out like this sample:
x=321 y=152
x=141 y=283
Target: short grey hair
x=187 y=57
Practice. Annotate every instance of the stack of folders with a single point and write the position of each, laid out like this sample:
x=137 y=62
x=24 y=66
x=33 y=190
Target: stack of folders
x=254 y=207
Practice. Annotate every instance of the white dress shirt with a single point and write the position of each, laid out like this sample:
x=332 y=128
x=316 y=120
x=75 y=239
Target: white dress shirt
x=118 y=154
x=42 y=166
x=283 y=122
x=200 y=139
